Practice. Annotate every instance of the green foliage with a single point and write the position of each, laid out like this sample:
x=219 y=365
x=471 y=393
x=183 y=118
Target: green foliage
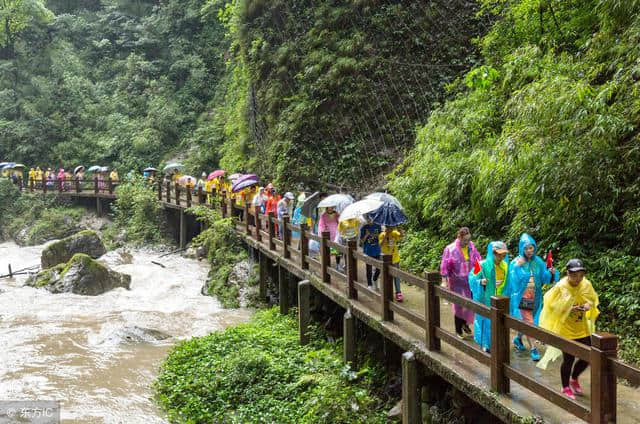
x=258 y=373
x=541 y=138
x=32 y=219
x=313 y=88
x=138 y=211
x=224 y=250
x=114 y=82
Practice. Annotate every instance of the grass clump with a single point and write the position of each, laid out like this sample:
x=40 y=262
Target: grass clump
x=258 y=373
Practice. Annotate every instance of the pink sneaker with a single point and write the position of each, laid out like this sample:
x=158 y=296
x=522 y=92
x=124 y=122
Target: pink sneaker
x=399 y=297
x=575 y=386
x=568 y=392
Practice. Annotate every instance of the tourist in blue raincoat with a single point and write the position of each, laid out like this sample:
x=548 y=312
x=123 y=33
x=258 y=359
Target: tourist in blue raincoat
x=527 y=274
x=487 y=281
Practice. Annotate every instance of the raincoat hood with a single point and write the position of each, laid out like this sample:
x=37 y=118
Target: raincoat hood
x=489 y=257
x=526 y=240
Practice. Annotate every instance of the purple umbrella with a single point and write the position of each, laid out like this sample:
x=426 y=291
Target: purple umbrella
x=247 y=177
x=237 y=186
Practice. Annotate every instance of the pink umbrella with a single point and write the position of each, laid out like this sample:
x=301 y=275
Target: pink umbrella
x=216 y=174
x=187 y=179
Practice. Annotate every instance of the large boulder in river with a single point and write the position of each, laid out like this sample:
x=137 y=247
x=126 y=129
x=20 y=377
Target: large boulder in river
x=87 y=242
x=81 y=275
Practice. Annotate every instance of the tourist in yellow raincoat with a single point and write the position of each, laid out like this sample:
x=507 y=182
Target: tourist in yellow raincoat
x=570 y=310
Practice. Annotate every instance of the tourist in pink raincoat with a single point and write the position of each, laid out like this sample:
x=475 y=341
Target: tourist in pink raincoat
x=457 y=261
x=61 y=178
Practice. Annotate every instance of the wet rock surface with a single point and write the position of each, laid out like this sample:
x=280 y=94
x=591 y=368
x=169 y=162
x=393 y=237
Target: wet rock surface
x=81 y=275
x=87 y=242
x=133 y=334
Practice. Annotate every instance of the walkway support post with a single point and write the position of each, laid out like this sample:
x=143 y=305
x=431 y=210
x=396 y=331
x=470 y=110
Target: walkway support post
x=387 y=289
x=256 y=211
x=432 y=310
x=272 y=231
x=160 y=190
x=110 y=185
x=96 y=187
x=223 y=204
x=325 y=257
x=246 y=219
x=352 y=269
x=411 y=396
x=604 y=346
x=349 y=338
x=183 y=229
x=98 y=206
x=77 y=186
x=304 y=246
x=168 y=191
x=283 y=288
x=188 y=197
x=264 y=275
x=177 y=188
x=304 y=310
x=200 y=195
x=500 y=347
x=286 y=237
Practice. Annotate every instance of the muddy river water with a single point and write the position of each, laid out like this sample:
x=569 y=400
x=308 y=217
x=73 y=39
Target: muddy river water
x=61 y=347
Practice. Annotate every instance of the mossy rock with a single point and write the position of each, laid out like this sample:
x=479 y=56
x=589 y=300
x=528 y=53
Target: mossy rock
x=87 y=242
x=81 y=275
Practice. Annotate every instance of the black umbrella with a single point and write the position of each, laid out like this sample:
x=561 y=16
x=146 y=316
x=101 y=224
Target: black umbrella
x=389 y=214
x=310 y=203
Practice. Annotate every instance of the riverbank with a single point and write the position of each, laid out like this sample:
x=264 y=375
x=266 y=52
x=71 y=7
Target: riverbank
x=258 y=372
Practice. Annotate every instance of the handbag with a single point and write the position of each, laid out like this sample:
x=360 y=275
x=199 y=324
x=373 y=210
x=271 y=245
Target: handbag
x=526 y=304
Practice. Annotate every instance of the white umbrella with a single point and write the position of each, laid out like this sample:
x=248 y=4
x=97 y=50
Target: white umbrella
x=385 y=197
x=337 y=201
x=359 y=208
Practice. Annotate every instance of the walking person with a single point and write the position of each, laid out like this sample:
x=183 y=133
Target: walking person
x=527 y=274
x=457 y=260
x=570 y=310
x=329 y=222
x=389 y=240
x=283 y=209
x=369 y=238
x=489 y=280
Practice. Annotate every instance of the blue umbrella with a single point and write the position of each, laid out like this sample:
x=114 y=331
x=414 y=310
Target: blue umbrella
x=389 y=214
x=237 y=186
x=8 y=165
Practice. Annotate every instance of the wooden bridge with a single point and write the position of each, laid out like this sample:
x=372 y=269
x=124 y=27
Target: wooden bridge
x=504 y=382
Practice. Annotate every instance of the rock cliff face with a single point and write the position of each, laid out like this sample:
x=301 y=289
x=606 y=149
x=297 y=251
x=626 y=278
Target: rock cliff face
x=81 y=275
x=87 y=242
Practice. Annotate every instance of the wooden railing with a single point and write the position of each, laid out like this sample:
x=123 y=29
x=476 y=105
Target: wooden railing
x=601 y=356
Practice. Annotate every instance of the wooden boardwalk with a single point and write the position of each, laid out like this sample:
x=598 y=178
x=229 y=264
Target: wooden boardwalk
x=505 y=382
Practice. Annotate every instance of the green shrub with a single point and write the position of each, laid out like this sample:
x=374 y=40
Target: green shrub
x=138 y=211
x=258 y=373
x=224 y=250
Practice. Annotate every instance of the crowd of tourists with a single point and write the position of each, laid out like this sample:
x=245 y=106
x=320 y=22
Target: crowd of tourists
x=569 y=308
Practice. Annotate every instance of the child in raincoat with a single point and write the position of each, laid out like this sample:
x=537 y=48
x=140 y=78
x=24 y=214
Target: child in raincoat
x=489 y=281
x=389 y=240
x=527 y=274
x=570 y=310
x=457 y=260
x=297 y=218
x=347 y=230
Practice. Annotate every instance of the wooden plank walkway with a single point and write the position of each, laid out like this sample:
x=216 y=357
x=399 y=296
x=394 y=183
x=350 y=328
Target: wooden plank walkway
x=505 y=382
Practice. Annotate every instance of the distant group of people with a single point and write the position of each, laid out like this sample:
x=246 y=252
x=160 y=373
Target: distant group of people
x=569 y=308
x=62 y=179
